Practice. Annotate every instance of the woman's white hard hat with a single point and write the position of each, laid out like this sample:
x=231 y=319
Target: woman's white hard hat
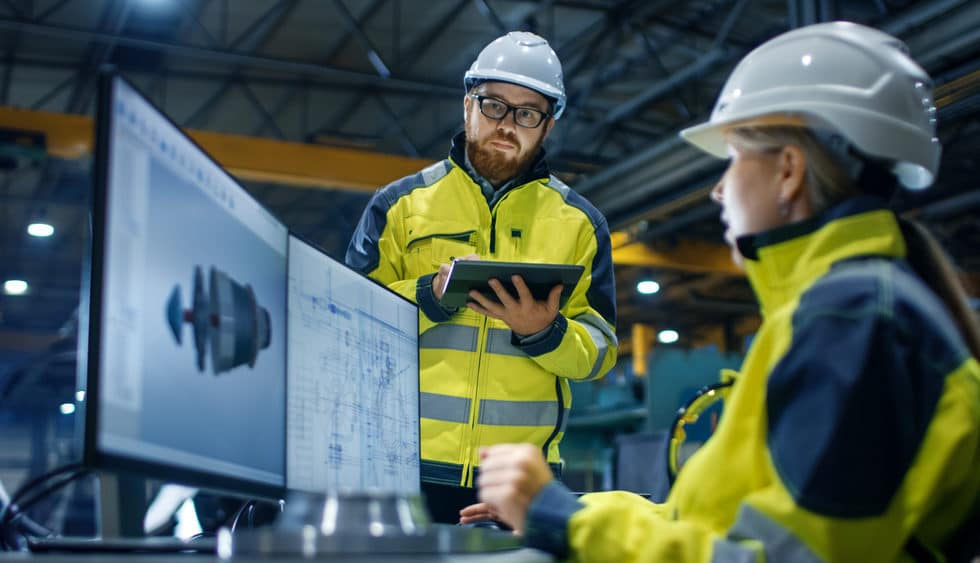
x=843 y=77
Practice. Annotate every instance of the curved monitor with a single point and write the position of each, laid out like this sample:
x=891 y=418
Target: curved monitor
x=187 y=337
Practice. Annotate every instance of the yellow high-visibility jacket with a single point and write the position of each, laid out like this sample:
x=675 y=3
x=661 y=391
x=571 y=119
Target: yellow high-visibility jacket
x=480 y=385
x=852 y=431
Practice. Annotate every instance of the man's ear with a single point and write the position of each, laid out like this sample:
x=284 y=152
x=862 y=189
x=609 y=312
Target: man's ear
x=467 y=103
x=548 y=124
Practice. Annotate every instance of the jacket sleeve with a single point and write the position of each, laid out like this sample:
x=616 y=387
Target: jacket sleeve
x=614 y=526
x=375 y=250
x=581 y=344
x=873 y=439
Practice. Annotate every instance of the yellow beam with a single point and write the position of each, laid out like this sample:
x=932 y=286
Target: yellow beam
x=641 y=339
x=250 y=158
x=690 y=256
x=67 y=136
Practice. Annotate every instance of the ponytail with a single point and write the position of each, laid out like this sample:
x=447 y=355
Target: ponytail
x=928 y=260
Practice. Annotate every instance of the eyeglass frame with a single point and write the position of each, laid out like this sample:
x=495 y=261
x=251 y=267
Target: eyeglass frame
x=510 y=110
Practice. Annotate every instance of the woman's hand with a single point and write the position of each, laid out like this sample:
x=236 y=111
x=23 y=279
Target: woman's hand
x=511 y=476
x=479 y=512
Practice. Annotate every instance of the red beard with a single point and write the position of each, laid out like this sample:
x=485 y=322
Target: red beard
x=494 y=165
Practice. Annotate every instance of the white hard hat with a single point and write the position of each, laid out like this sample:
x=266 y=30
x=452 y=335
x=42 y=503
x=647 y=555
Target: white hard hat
x=521 y=58
x=843 y=77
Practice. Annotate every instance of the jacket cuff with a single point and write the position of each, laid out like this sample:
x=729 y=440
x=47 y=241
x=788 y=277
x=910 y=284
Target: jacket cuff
x=542 y=342
x=546 y=527
x=426 y=300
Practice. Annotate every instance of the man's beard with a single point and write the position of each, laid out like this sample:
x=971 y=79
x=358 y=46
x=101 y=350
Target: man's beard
x=494 y=165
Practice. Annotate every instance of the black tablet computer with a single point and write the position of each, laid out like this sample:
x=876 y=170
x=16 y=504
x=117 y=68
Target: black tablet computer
x=465 y=275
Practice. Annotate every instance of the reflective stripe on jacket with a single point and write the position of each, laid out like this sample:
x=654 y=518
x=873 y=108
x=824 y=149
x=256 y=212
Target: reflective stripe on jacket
x=852 y=432
x=479 y=386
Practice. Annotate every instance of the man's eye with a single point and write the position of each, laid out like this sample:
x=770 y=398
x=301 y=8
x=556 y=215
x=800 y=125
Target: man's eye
x=528 y=114
x=494 y=106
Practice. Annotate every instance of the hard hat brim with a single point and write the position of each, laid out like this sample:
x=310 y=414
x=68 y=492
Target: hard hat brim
x=710 y=136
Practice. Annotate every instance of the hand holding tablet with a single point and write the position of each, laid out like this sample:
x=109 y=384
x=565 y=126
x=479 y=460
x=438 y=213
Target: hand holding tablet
x=466 y=275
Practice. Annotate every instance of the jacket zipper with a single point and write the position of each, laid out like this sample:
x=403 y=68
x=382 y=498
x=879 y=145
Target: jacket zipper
x=493 y=232
x=561 y=413
x=475 y=407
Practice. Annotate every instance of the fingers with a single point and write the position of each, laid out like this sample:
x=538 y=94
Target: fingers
x=523 y=291
x=439 y=281
x=484 y=305
x=476 y=513
x=554 y=298
x=506 y=299
x=475 y=509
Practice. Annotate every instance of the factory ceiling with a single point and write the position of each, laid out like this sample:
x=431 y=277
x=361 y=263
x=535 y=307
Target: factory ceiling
x=331 y=98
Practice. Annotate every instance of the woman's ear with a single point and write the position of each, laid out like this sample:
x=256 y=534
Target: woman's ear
x=792 y=183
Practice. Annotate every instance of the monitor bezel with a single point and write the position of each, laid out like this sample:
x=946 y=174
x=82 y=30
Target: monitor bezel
x=418 y=349
x=93 y=456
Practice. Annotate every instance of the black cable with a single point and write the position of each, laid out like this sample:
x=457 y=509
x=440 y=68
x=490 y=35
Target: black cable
x=14 y=513
x=238 y=513
x=15 y=516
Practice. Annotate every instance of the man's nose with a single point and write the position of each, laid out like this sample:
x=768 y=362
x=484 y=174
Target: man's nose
x=508 y=121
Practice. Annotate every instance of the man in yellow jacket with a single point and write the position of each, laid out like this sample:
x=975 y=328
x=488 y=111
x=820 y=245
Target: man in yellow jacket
x=852 y=430
x=494 y=372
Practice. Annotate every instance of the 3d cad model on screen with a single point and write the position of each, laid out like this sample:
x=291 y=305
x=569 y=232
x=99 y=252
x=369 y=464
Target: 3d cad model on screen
x=227 y=315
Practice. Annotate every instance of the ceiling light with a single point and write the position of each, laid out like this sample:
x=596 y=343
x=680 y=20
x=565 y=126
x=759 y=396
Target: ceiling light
x=40 y=230
x=647 y=287
x=67 y=408
x=15 y=287
x=668 y=336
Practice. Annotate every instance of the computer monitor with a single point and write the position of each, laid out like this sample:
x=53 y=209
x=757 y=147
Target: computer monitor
x=353 y=373
x=187 y=331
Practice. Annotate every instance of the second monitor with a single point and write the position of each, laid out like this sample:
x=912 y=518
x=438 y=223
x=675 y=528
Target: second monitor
x=352 y=408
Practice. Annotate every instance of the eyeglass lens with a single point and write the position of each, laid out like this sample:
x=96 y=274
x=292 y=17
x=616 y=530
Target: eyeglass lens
x=496 y=109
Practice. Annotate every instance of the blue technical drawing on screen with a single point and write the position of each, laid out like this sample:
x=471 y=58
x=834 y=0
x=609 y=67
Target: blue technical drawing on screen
x=352 y=380
x=193 y=336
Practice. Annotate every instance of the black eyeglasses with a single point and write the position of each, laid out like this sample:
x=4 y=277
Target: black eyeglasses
x=497 y=110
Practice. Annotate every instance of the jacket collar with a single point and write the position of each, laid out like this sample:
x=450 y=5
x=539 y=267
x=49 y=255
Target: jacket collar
x=782 y=263
x=539 y=167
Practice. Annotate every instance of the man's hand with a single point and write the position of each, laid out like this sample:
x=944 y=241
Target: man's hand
x=523 y=315
x=511 y=475
x=439 y=280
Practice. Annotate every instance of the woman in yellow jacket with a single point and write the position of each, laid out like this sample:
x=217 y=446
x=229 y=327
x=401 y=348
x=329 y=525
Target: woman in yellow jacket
x=852 y=431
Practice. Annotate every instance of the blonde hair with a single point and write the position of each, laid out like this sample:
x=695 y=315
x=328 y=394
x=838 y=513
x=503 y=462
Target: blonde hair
x=827 y=183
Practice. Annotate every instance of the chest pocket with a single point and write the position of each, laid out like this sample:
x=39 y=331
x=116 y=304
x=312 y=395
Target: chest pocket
x=431 y=245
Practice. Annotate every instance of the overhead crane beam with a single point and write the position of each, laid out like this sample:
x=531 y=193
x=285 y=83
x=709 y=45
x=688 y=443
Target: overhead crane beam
x=690 y=256
x=249 y=158
x=298 y=164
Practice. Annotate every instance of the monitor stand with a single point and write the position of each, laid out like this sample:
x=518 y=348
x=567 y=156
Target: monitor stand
x=121 y=504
